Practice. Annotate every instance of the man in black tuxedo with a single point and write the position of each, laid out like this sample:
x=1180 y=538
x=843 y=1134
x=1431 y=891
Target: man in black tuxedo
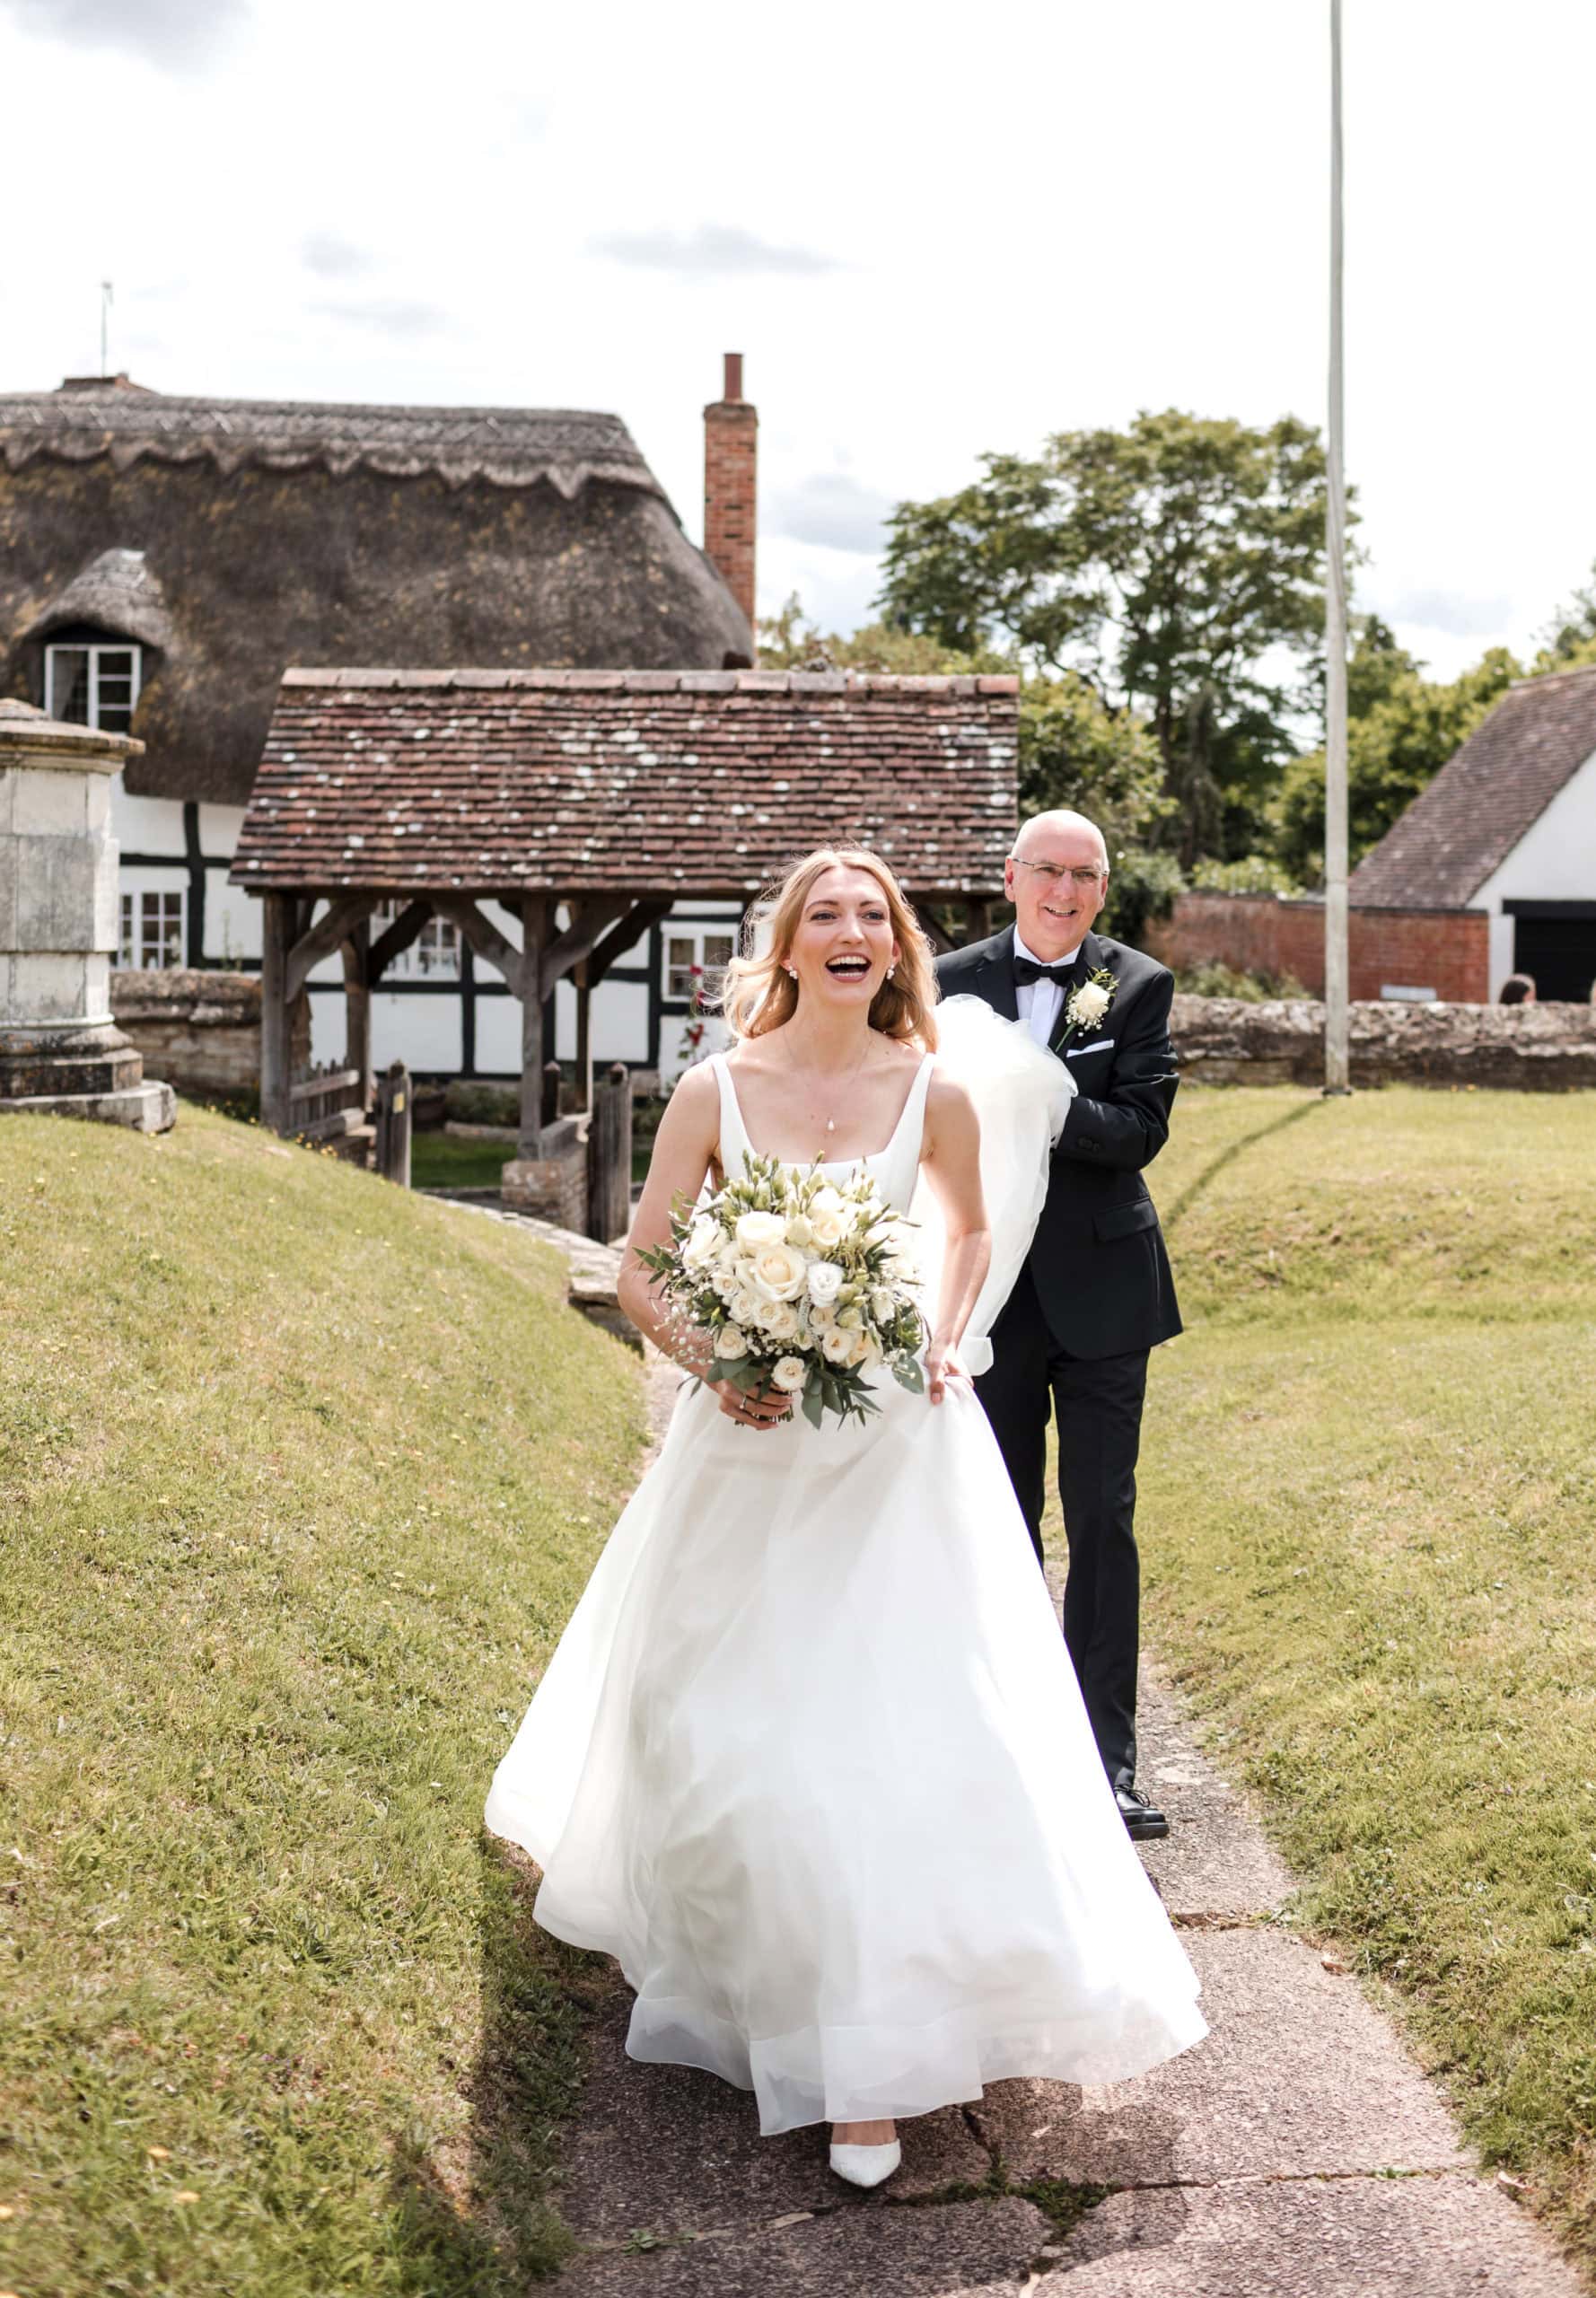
x=1095 y=1294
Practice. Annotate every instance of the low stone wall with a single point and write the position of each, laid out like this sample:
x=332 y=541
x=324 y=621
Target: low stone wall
x=554 y=1186
x=201 y=1031
x=1531 y=1048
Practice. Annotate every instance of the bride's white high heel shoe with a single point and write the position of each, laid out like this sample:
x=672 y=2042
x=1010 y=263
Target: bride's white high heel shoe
x=866 y=2166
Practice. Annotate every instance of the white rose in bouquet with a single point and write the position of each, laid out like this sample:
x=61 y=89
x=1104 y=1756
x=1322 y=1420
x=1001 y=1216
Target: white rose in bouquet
x=821 y=1315
x=703 y=1242
x=730 y=1343
x=837 y=1344
x=829 y=1219
x=789 y=1374
x=754 y=1229
x=779 y=1319
x=799 y=1231
x=883 y=1305
x=825 y=1282
x=777 y=1270
x=724 y=1283
x=744 y=1304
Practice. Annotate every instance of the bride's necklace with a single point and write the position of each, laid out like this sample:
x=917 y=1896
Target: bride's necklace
x=838 y=1098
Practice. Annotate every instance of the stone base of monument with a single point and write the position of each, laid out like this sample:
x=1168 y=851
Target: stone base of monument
x=90 y=1073
x=61 y=1054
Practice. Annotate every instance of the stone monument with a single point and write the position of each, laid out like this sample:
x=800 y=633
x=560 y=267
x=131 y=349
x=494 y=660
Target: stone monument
x=60 y=1052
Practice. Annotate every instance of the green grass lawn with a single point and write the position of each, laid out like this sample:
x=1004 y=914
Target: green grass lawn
x=1368 y=1516
x=443 y=1161
x=300 y=1478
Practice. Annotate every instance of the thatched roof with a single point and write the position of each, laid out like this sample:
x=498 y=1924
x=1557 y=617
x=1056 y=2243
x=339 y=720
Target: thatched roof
x=1461 y=830
x=571 y=782
x=116 y=592
x=269 y=533
x=509 y=446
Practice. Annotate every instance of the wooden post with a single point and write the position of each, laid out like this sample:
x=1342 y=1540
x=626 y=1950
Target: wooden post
x=279 y=918
x=584 y=1044
x=534 y=909
x=977 y=919
x=610 y=1157
x=358 y=1007
x=394 y=1100
x=552 y=1083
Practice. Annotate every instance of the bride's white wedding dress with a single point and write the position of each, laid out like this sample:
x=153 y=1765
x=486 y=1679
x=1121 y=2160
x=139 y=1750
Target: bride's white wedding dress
x=812 y=1764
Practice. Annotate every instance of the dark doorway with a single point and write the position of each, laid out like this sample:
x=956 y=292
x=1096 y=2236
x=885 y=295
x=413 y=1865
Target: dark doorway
x=1555 y=942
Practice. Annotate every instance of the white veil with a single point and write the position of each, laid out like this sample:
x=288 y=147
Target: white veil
x=1021 y=1093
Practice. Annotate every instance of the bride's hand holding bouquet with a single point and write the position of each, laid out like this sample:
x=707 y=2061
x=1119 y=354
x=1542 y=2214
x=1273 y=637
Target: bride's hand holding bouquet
x=787 y=1287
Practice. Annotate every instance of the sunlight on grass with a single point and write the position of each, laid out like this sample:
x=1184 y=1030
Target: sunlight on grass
x=300 y=1478
x=1368 y=1497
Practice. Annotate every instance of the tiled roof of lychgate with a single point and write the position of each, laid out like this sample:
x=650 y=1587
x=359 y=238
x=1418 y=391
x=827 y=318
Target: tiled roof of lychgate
x=1463 y=827
x=509 y=446
x=572 y=780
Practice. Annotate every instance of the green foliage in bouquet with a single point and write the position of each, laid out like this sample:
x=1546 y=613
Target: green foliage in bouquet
x=802 y=1285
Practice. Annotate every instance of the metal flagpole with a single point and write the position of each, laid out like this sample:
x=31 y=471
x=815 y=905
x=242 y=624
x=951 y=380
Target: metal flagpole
x=1336 y=1066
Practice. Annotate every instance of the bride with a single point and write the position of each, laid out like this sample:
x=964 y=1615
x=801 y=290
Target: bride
x=810 y=1761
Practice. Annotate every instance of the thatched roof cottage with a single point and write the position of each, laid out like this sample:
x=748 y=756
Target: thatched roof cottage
x=164 y=559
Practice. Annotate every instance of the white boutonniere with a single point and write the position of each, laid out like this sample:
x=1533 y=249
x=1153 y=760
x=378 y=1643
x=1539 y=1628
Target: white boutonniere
x=1090 y=999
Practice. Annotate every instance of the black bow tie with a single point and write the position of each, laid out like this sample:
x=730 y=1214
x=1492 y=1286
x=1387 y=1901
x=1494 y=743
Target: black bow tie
x=1027 y=971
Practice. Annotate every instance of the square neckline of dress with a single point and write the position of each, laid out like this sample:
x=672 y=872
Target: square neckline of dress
x=824 y=1164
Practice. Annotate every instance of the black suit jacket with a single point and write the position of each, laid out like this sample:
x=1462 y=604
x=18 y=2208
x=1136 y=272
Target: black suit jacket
x=1098 y=1259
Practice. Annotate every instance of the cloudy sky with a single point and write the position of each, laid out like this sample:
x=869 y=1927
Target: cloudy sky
x=930 y=232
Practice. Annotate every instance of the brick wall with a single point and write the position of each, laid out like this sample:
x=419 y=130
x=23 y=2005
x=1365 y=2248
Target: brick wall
x=731 y=444
x=1447 y=950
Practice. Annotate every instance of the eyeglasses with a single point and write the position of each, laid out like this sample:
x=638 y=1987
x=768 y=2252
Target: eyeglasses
x=1085 y=878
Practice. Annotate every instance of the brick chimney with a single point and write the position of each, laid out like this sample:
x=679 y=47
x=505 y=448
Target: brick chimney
x=731 y=449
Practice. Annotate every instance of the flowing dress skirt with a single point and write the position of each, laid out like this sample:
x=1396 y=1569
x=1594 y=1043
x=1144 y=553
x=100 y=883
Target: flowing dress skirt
x=811 y=1762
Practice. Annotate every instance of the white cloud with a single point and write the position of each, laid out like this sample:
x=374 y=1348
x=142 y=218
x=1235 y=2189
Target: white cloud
x=712 y=252
x=388 y=315
x=175 y=35
x=832 y=509
x=1454 y=612
x=332 y=256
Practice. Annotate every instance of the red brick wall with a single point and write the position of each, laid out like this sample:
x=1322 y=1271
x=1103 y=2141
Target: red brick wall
x=1447 y=950
x=731 y=444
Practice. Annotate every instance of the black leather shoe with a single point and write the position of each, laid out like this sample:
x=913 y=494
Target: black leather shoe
x=1144 y=1821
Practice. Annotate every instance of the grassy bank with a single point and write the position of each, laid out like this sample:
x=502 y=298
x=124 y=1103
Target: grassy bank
x=1368 y=1503
x=299 y=1479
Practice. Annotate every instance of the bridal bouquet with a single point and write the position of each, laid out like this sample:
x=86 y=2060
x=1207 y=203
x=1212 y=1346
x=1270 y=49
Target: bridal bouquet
x=802 y=1286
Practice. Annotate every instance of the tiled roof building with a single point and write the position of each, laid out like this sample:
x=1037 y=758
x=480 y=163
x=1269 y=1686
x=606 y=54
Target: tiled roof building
x=1508 y=828
x=576 y=782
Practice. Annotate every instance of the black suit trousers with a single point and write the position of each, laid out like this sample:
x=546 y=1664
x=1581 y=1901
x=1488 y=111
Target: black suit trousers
x=1097 y=1405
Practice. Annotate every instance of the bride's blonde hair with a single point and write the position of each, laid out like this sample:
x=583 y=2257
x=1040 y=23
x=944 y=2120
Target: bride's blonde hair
x=760 y=995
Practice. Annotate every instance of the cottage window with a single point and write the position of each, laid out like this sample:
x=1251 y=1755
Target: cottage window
x=92 y=686
x=432 y=956
x=153 y=929
x=691 y=959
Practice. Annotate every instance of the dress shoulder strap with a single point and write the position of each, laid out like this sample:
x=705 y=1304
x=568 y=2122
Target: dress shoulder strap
x=733 y=1141
x=901 y=1165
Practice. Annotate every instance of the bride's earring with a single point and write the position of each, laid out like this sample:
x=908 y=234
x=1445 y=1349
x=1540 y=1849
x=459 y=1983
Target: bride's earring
x=891 y=970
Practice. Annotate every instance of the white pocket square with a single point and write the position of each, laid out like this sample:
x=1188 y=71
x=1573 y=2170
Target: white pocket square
x=1098 y=1045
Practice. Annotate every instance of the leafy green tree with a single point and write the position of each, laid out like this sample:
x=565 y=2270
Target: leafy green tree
x=1173 y=566
x=1569 y=643
x=1401 y=729
x=1074 y=749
